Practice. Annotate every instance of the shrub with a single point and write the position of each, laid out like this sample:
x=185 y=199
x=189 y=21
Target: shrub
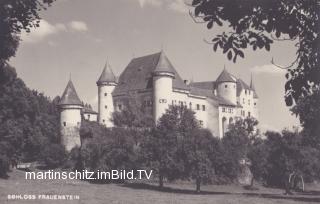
x=53 y=155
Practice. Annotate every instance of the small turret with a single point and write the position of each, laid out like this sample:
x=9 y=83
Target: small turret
x=70 y=117
x=106 y=84
x=226 y=86
x=163 y=76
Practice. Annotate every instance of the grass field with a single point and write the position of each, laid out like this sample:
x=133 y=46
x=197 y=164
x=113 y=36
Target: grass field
x=146 y=193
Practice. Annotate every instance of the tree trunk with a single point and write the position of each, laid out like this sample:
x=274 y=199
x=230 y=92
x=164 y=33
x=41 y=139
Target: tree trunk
x=252 y=181
x=160 y=180
x=198 y=182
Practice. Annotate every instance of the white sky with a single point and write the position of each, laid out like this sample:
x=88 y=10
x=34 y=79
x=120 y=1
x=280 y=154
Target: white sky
x=77 y=36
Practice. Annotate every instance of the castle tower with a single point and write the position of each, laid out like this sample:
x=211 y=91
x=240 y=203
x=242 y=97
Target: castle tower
x=227 y=86
x=163 y=76
x=106 y=84
x=255 y=99
x=70 y=117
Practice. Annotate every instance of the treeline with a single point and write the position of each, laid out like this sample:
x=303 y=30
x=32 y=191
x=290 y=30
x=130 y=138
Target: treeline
x=29 y=121
x=178 y=148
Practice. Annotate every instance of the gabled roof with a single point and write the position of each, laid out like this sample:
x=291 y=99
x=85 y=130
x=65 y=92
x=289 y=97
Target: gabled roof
x=225 y=76
x=107 y=75
x=138 y=74
x=70 y=96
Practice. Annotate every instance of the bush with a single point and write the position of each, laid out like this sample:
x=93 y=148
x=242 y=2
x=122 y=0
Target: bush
x=4 y=166
x=53 y=155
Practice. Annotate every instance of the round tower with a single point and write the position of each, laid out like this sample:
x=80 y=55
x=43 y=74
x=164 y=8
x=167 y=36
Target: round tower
x=163 y=76
x=106 y=84
x=226 y=86
x=70 y=117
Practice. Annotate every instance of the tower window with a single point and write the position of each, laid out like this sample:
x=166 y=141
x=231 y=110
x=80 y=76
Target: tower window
x=103 y=121
x=255 y=103
x=243 y=101
x=203 y=107
x=198 y=107
x=226 y=86
x=105 y=94
x=64 y=124
x=201 y=122
x=105 y=107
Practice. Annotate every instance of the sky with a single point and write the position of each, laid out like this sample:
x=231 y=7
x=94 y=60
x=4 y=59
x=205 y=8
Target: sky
x=77 y=37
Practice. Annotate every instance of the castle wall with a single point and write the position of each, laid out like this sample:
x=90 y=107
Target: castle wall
x=105 y=104
x=228 y=90
x=162 y=90
x=90 y=117
x=70 y=122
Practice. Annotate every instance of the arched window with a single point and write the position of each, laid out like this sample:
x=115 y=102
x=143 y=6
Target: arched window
x=224 y=125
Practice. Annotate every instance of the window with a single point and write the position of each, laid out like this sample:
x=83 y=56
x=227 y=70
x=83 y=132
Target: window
x=105 y=94
x=226 y=86
x=249 y=101
x=245 y=92
x=229 y=110
x=190 y=105
x=120 y=106
x=105 y=107
x=243 y=101
x=203 y=107
x=78 y=123
x=255 y=104
x=201 y=122
x=103 y=121
x=89 y=116
x=249 y=114
x=64 y=124
x=223 y=110
x=198 y=107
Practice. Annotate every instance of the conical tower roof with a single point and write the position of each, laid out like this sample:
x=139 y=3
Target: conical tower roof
x=70 y=96
x=107 y=75
x=225 y=76
x=164 y=65
x=255 y=95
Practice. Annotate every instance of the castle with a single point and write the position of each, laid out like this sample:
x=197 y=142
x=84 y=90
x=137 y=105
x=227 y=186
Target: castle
x=157 y=85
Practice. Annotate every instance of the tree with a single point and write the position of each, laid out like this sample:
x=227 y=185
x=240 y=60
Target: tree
x=199 y=148
x=53 y=155
x=258 y=24
x=160 y=148
x=308 y=110
x=16 y=16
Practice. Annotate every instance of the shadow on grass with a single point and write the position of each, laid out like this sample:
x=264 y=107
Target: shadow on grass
x=170 y=190
x=299 y=197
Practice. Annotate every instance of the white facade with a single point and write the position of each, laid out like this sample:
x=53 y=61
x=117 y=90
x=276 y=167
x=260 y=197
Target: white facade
x=70 y=122
x=105 y=103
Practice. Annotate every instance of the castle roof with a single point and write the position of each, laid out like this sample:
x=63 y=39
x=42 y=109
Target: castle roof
x=107 y=75
x=164 y=65
x=88 y=109
x=255 y=95
x=225 y=76
x=138 y=73
x=70 y=96
x=204 y=85
x=209 y=93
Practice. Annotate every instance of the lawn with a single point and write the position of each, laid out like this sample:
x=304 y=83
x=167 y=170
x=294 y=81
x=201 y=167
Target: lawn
x=146 y=193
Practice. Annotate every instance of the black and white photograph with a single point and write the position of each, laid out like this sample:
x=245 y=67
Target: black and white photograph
x=159 y=101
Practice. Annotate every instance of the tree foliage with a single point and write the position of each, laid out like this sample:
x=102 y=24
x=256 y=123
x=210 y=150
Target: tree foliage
x=257 y=24
x=28 y=120
x=16 y=16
